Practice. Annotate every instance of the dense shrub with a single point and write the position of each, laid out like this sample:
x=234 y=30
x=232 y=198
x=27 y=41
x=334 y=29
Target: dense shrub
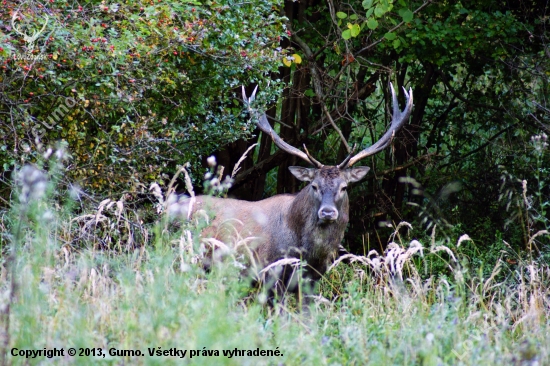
x=134 y=88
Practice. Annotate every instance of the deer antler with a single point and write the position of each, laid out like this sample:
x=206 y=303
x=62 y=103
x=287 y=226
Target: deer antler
x=29 y=39
x=398 y=120
x=263 y=124
x=14 y=27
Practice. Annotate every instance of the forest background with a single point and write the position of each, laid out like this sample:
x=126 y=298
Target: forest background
x=111 y=98
x=137 y=89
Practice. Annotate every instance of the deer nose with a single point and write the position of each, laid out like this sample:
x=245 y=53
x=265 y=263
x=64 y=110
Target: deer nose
x=328 y=214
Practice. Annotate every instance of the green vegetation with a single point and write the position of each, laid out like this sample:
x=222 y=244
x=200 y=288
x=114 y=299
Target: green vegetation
x=115 y=105
x=130 y=85
x=137 y=89
x=391 y=309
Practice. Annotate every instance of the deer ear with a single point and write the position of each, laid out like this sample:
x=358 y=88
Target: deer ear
x=302 y=174
x=356 y=174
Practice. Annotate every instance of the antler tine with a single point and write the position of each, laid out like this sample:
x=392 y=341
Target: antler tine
x=343 y=164
x=43 y=27
x=311 y=159
x=394 y=102
x=246 y=100
x=13 y=24
x=265 y=127
x=398 y=120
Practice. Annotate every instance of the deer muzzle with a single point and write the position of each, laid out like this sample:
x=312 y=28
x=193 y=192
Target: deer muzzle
x=327 y=214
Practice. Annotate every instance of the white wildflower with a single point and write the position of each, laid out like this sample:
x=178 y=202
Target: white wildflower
x=211 y=161
x=32 y=182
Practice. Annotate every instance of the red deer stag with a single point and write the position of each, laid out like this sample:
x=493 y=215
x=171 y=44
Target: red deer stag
x=308 y=225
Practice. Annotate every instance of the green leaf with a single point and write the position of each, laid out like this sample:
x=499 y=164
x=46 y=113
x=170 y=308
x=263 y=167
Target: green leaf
x=369 y=13
x=341 y=15
x=379 y=11
x=389 y=36
x=406 y=14
x=396 y=44
x=353 y=16
x=355 y=30
x=372 y=24
x=367 y=4
x=346 y=34
x=309 y=93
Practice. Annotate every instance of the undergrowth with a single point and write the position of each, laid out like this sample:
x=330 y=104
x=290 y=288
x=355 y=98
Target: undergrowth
x=100 y=281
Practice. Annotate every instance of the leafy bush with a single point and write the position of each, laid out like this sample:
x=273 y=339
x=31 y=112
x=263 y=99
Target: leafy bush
x=134 y=88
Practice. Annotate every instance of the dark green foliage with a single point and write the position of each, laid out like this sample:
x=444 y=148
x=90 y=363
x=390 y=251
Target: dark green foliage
x=479 y=73
x=134 y=88
x=156 y=85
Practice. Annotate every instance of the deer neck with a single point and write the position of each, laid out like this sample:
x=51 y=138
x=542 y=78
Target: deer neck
x=314 y=239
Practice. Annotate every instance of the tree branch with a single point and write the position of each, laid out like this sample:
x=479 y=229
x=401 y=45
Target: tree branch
x=481 y=147
x=270 y=162
x=460 y=97
x=318 y=86
x=405 y=166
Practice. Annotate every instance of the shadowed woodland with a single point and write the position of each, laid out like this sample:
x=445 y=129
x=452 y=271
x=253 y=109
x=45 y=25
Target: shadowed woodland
x=479 y=73
x=108 y=108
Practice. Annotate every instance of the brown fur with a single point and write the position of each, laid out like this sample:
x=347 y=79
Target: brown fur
x=299 y=226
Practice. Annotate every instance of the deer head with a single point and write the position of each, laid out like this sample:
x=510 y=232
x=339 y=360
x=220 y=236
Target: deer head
x=28 y=39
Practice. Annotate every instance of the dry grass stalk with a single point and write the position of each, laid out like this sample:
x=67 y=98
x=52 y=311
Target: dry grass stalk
x=462 y=238
x=242 y=158
x=281 y=262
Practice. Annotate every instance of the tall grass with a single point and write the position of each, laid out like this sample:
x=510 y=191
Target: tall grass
x=101 y=280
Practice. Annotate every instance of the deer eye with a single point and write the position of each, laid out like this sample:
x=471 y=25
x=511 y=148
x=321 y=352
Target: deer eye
x=344 y=188
x=315 y=187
